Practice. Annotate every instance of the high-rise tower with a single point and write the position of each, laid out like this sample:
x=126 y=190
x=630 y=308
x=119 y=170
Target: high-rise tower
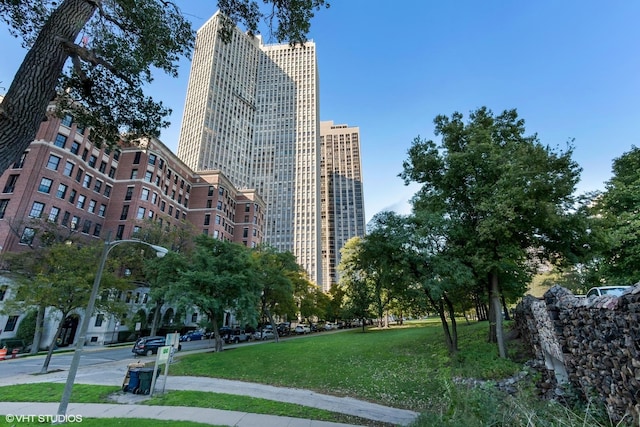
x=341 y=194
x=251 y=111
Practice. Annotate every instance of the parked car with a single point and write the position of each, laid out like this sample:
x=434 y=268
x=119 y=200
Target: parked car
x=329 y=326
x=192 y=336
x=303 y=329
x=146 y=346
x=607 y=290
x=284 y=329
x=237 y=336
x=265 y=334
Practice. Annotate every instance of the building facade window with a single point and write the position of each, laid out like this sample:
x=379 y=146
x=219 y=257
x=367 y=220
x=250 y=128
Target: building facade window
x=53 y=162
x=11 y=184
x=27 y=236
x=53 y=214
x=81 y=201
x=99 y=320
x=45 y=185
x=62 y=191
x=120 y=232
x=19 y=164
x=124 y=213
x=86 y=182
x=65 y=218
x=60 y=141
x=68 y=169
x=12 y=321
x=36 y=210
x=3 y=207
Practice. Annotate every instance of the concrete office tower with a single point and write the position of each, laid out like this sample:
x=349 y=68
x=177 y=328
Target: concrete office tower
x=251 y=111
x=341 y=194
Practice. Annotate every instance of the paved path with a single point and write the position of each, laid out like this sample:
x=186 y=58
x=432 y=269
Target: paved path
x=177 y=413
x=113 y=374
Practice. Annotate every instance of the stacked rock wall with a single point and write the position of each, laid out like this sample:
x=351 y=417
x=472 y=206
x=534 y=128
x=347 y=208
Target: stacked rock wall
x=592 y=344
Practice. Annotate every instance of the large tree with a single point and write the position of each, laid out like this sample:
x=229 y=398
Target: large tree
x=62 y=281
x=358 y=288
x=382 y=257
x=94 y=57
x=507 y=197
x=219 y=276
x=275 y=273
x=618 y=210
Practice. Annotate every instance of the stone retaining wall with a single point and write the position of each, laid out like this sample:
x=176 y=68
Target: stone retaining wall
x=591 y=345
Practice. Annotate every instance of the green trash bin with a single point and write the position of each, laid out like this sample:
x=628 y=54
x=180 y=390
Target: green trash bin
x=145 y=376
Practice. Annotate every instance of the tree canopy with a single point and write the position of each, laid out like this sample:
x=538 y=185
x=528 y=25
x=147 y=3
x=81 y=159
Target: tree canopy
x=617 y=208
x=507 y=199
x=94 y=58
x=218 y=276
x=62 y=280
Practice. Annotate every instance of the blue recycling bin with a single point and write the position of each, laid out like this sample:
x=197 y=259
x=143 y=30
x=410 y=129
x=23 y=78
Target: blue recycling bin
x=134 y=380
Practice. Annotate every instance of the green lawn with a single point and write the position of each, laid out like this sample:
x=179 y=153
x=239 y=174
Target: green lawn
x=400 y=367
x=405 y=367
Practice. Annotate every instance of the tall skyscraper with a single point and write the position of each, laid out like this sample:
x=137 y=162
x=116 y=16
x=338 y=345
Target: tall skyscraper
x=251 y=111
x=341 y=194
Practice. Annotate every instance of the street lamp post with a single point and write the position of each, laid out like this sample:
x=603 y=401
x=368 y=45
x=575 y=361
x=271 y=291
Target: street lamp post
x=75 y=362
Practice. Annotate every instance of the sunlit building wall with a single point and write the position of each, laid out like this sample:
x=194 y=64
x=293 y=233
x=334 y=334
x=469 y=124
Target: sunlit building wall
x=251 y=111
x=341 y=194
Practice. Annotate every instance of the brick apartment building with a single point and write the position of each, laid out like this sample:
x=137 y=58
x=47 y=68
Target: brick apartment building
x=104 y=193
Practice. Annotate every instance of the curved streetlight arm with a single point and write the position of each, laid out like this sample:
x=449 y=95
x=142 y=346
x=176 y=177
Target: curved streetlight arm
x=75 y=362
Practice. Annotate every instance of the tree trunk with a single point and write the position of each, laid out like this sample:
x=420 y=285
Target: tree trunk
x=34 y=85
x=496 y=312
x=454 y=325
x=156 y=319
x=45 y=365
x=272 y=323
x=37 y=336
x=216 y=334
x=439 y=306
x=505 y=308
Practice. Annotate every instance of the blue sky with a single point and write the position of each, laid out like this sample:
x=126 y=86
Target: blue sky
x=571 y=69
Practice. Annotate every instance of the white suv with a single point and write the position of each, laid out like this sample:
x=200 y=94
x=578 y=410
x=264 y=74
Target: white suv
x=615 y=291
x=303 y=329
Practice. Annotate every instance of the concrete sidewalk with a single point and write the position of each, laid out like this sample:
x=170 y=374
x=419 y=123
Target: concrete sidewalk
x=13 y=411
x=113 y=374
